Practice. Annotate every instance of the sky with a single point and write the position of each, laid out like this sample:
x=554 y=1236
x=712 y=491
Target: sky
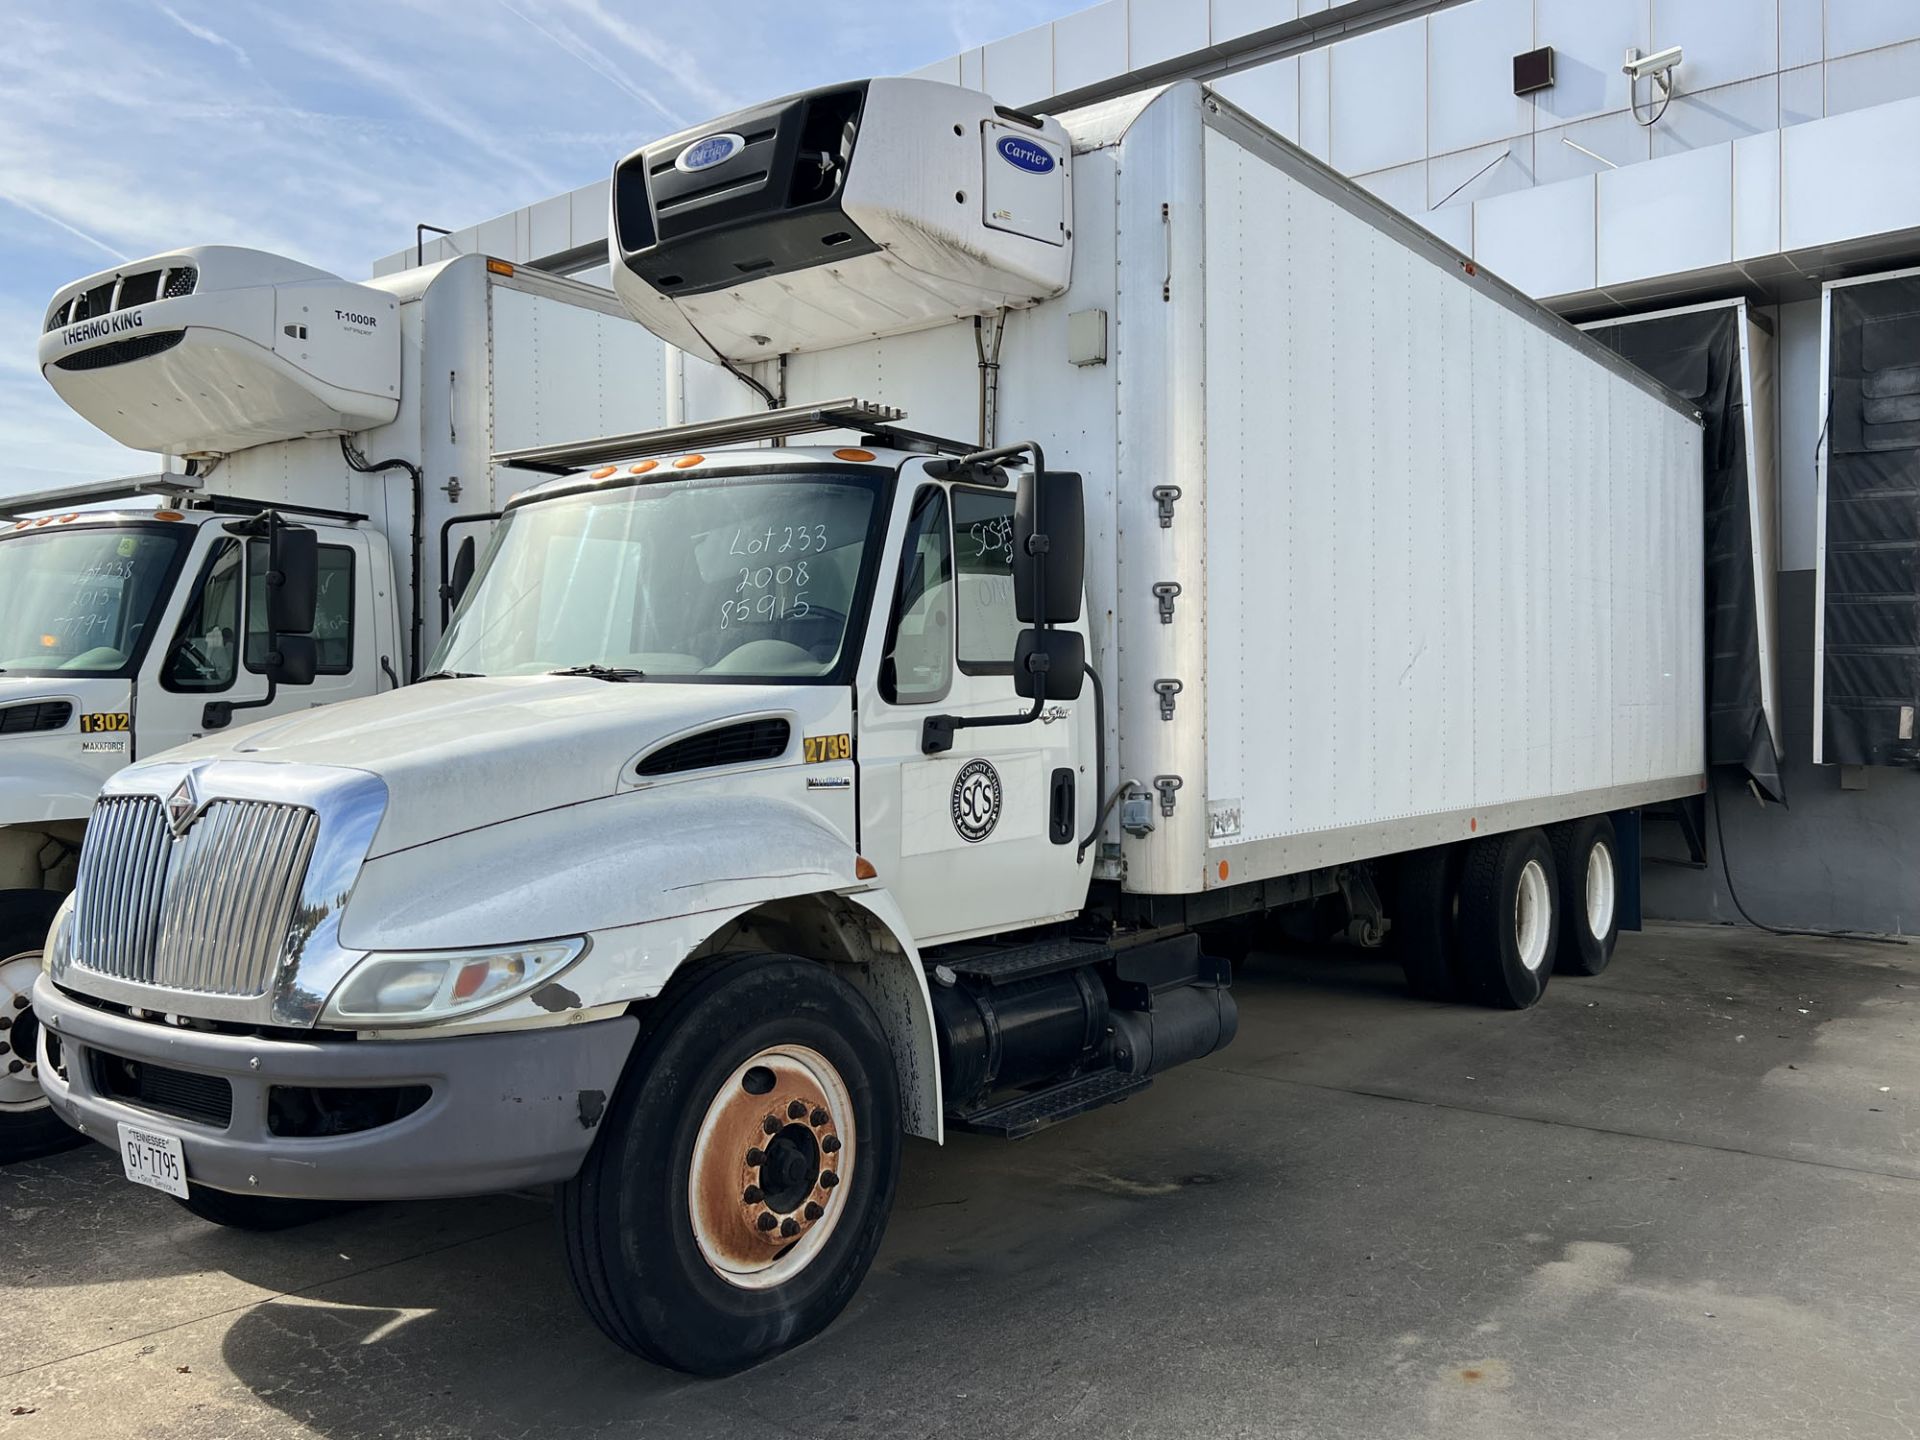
x=323 y=130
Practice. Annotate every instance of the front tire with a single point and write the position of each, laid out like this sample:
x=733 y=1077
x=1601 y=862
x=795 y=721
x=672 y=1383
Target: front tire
x=1589 y=864
x=1508 y=918
x=28 y=1126
x=742 y=1179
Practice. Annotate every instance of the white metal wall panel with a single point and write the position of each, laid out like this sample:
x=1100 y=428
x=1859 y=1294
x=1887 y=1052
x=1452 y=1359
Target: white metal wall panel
x=564 y=371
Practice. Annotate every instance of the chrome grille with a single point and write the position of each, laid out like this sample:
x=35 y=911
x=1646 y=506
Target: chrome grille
x=208 y=913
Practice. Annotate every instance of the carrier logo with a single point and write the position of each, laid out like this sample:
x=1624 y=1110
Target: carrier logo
x=106 y=325
x=1025 y=155
x=709 y=151
x=976 y=801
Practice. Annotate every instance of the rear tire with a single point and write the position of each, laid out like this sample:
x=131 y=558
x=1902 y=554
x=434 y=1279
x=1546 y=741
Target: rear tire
x=28 y=1126
x=1508 y=906
x=711 y=1225
x=256 y=1212
x=1425 y=934
x=1588 y=859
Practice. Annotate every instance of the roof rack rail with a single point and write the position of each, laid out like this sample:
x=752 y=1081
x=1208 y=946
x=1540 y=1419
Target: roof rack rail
x=165 y=484
x=863 y=416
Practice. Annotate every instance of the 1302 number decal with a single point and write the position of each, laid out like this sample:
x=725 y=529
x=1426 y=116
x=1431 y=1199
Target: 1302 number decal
x=101 y=721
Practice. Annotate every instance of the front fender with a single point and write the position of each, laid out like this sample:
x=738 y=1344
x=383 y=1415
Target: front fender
x=626 y=860
x=36 y=786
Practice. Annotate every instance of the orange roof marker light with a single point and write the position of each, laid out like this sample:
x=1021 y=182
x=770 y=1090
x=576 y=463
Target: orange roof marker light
x=603 y=472
x=68 y=519
x=687 y=462
x=860 y=456
x=43 y=520
x=499 y=267
x=168 y=515
x=643 y=467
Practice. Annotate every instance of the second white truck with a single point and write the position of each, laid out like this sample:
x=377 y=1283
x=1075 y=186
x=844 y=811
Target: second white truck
x=360 y=420
x=1242 y=553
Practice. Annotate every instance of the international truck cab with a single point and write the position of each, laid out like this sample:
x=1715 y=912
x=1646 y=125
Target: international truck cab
x=790 y=781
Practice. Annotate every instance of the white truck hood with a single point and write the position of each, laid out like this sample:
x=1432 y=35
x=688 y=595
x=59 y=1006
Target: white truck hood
x=457 y=755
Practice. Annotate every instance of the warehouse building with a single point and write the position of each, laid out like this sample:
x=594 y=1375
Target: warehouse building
x=1616 y=158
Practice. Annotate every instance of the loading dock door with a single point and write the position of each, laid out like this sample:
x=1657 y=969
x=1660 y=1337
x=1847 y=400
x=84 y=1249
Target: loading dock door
x=1867 y=620
x=1720 y=356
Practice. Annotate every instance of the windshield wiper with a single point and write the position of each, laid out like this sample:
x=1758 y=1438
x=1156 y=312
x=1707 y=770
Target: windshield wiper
x=618 y=674
x=450 y=675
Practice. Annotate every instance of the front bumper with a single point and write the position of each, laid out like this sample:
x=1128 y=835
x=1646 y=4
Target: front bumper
x=506 y=1110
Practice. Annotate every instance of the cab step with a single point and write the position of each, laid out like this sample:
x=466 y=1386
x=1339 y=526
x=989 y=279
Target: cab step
x=1021 y=1116
x=1002 y=965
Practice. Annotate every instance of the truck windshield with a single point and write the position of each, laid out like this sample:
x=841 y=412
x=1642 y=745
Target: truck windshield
x=734 y=578
x=83 y=599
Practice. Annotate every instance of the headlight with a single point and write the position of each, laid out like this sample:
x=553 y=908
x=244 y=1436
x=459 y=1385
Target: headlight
x=53 y=956
x=427 y=986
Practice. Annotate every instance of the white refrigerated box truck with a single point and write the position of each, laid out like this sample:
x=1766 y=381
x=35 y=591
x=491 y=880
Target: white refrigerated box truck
x=1241 y=549
x=360 y=419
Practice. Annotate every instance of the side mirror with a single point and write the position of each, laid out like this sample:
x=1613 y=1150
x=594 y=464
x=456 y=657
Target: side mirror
x=293 y=580
x=462 y=575
x=293 y=659
x=1050 y=664
x=1049 y=535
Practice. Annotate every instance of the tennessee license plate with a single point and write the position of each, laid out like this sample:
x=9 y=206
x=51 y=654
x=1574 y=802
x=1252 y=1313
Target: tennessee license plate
x=154 y=1159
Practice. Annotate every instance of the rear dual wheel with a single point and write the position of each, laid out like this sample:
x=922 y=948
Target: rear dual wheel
x=1509 y=899
x=1587 y=858
x=741 y=1182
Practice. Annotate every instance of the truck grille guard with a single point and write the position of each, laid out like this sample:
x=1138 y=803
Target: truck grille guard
x=216 y=890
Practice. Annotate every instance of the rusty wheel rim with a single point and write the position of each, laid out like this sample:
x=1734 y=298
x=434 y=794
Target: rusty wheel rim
x=771 y=1164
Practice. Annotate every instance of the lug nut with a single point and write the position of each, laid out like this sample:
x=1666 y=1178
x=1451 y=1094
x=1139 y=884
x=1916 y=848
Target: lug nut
x=6 y=1022
x=756 y=1157
x=819 y=1117
x=828 y=1180
x=830 y=1144
x=789 y=1227
x=19 y=1002
x=750 y=1196
x=767 y=1222
x=813 y=1211
x=770 y=1125
x=796 y=1108
x=5 y=1049
x=14 y=1067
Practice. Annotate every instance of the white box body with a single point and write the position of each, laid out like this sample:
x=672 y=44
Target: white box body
x=1438 y=554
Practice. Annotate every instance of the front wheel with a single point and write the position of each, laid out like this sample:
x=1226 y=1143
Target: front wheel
x=742 y=1179
x=28 y=1126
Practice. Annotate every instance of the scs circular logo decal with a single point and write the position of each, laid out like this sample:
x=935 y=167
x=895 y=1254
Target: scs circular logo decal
x=976 y=801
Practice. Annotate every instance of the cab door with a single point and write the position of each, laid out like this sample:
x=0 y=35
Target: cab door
x=983 y=837
x=218 y=647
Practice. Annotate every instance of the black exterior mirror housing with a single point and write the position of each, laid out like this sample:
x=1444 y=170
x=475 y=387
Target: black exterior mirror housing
x=293 y=579
x=1050 y=664
x=1048 y=509
x=293 y=660
x=462 y=575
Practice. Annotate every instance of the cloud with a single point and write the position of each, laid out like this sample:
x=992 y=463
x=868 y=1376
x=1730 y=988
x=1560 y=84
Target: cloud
x=211 y=37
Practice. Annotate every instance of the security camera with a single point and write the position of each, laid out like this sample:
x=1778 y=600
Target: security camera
x=1659 y=64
